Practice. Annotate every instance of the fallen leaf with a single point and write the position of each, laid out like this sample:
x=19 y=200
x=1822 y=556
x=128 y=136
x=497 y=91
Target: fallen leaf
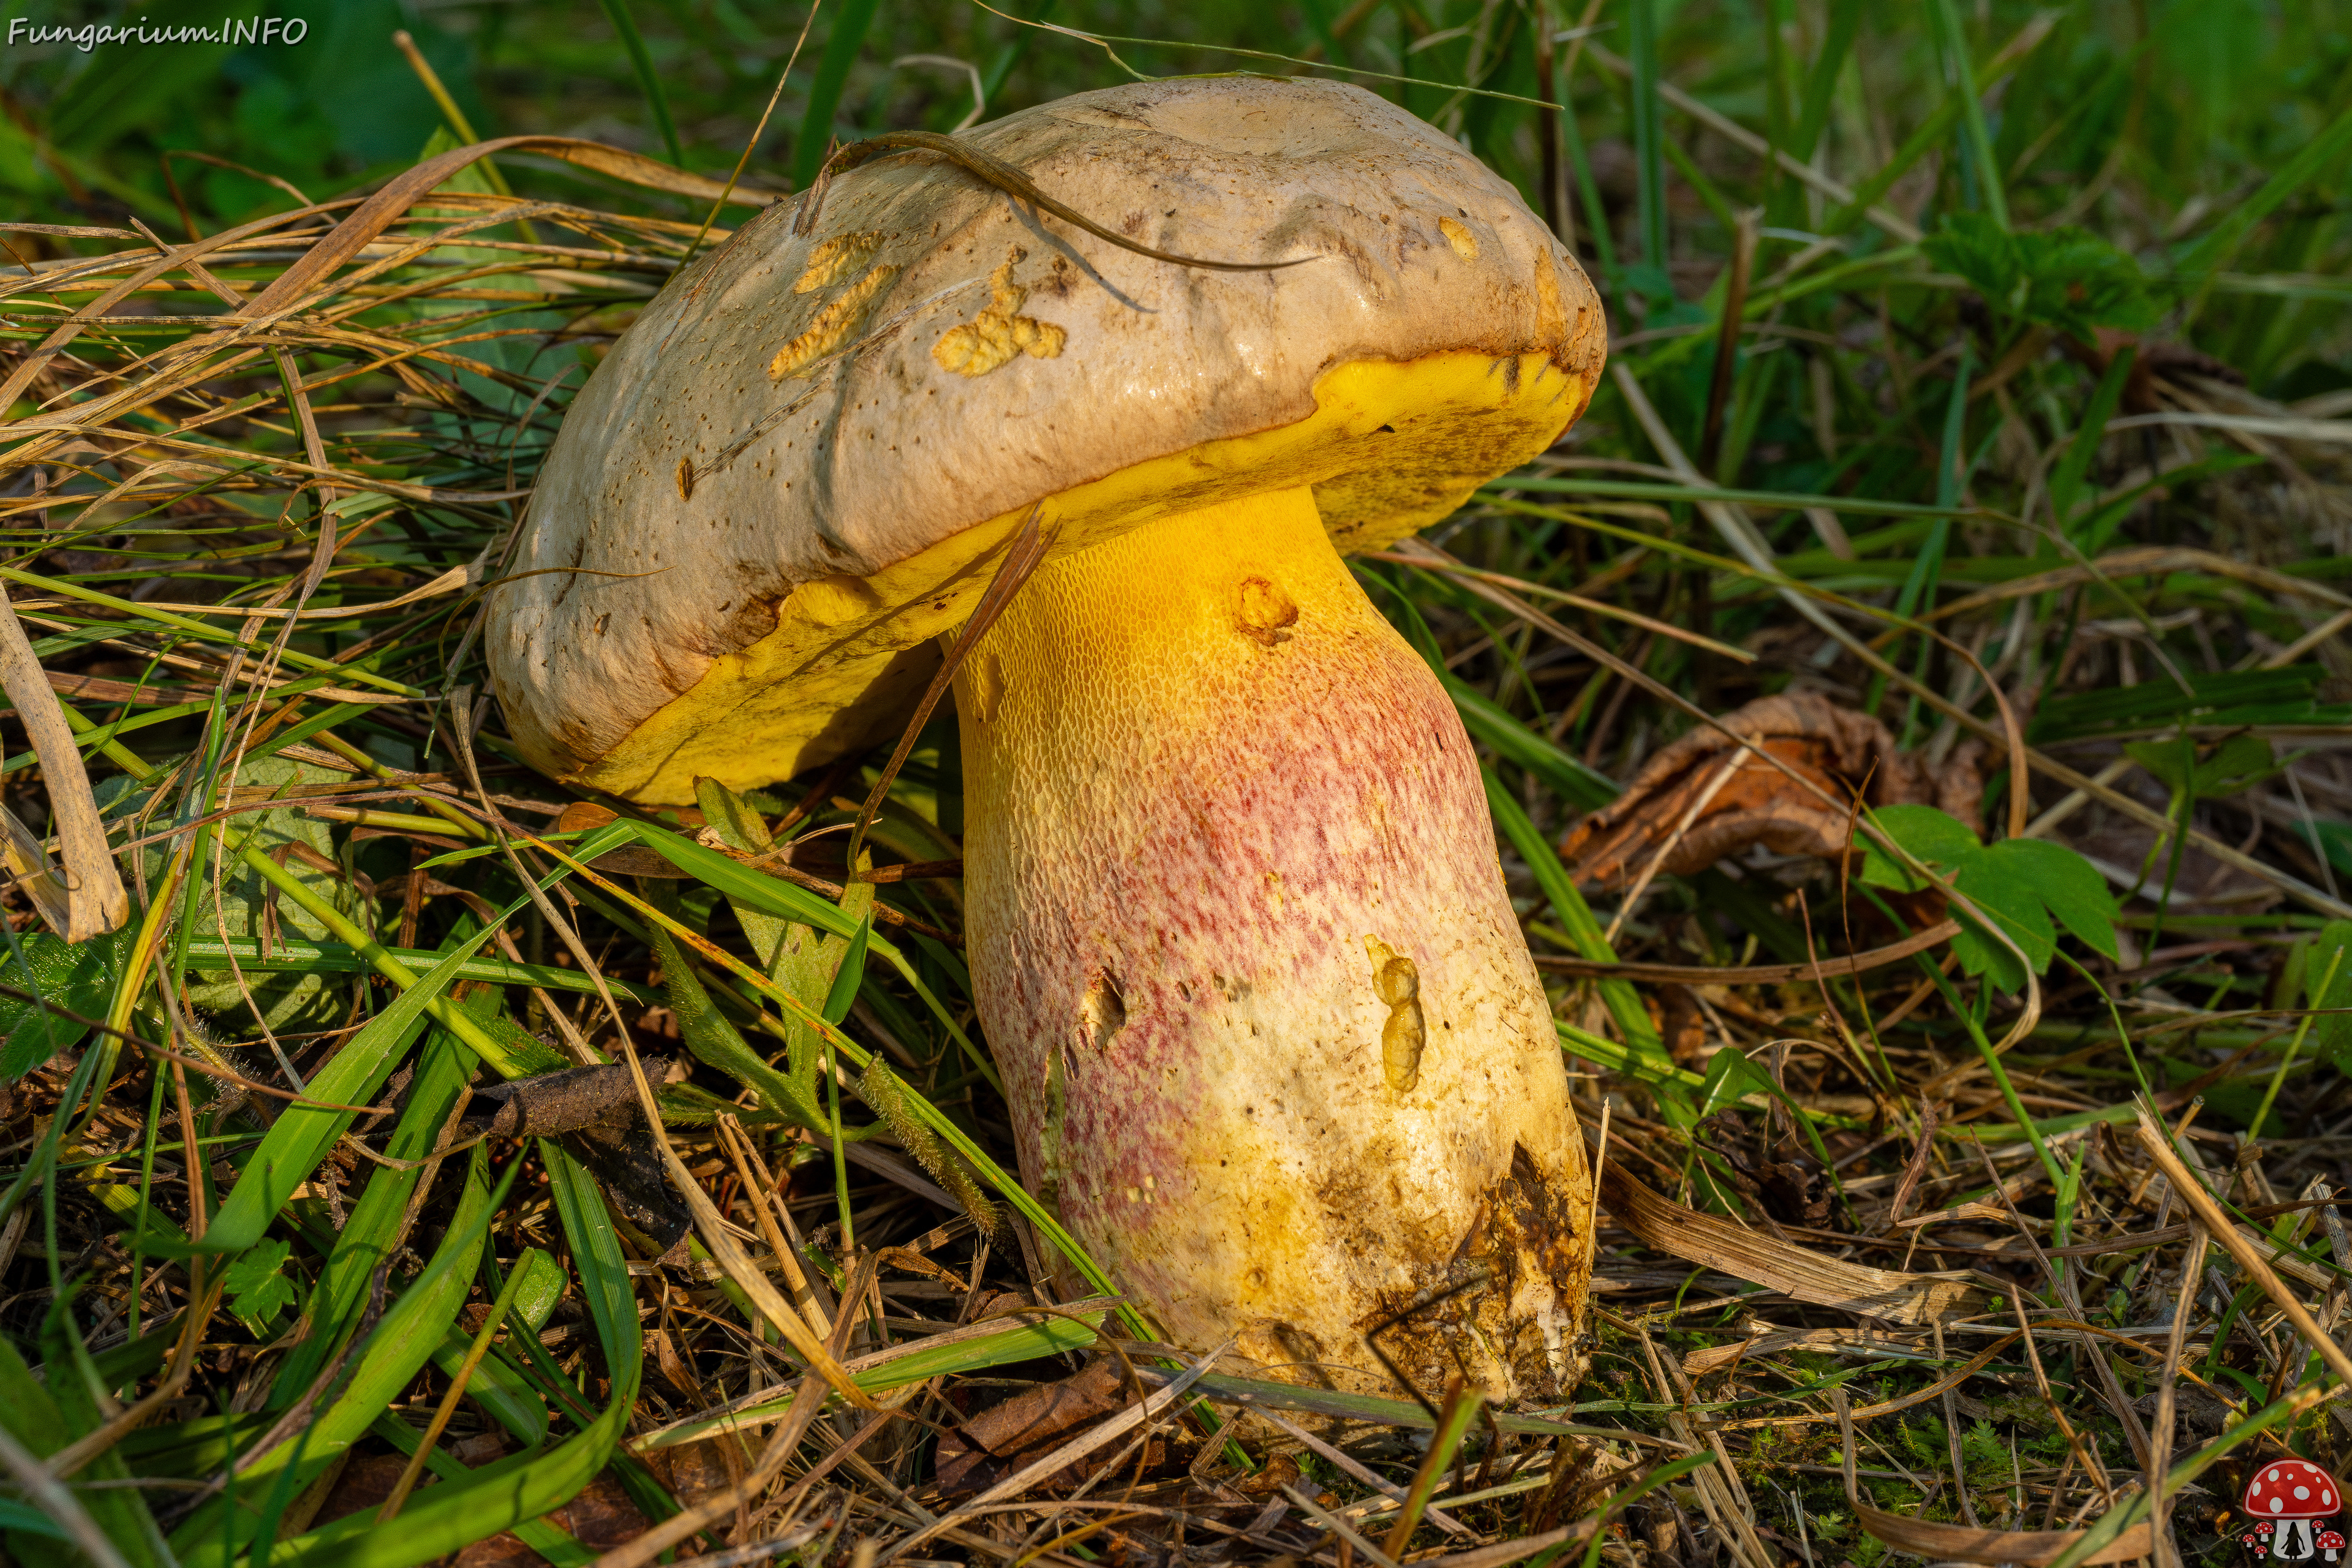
x=2152 y=359
x=1842 y=752
x=1667 y=1226
x=985 y=1447
x=1958 y=1543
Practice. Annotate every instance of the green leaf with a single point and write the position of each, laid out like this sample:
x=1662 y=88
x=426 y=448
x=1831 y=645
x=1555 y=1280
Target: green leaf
x=257 y=1287
x=2322 y=989
x=841 y=51
x=2230 y=700
x=648 y=78
x=1491 y=726
x=1624 y=1003
x=2068 y=279
x=2070 y=885
x=2066 y=484
x=2006 y=896
x=1937 y=838
x=24 y=1518
x=443 y=1066
x=447 y=1517
x=383 y=1366
x=1731 y=1078
x=2236 y=764
x=79 y=978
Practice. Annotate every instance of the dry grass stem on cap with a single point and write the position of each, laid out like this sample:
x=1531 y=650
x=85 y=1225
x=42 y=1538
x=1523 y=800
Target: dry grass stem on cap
x=86 y=899
x=996 y=172
x=2218 y=1224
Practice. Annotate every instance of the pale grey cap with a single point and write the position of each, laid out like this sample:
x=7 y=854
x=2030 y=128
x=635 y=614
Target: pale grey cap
x=796 y=468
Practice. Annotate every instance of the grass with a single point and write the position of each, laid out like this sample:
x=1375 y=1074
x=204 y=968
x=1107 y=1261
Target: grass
x=2037 y=370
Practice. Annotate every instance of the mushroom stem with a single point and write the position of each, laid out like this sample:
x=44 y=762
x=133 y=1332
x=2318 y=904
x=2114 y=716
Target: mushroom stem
x=1273 y=1043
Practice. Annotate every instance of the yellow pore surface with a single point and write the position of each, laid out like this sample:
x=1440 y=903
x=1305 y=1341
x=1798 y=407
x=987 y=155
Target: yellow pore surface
x=1390 y=449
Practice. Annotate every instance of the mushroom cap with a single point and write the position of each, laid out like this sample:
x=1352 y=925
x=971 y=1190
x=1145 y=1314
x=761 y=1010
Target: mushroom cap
x=2291 y=1488
x=802 y=462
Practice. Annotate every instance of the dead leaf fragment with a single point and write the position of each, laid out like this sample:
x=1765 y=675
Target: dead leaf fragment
x=1665 y=1225
x=1841 y=751
x=1958 y=1543
x=997 y=1441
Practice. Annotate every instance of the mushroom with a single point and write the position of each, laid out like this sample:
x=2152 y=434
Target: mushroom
x=2331 y=1541
x=2287 y=1495
x=1273 y=1045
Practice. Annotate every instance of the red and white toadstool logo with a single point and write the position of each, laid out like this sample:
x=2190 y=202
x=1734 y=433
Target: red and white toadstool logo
x=2283 y=1504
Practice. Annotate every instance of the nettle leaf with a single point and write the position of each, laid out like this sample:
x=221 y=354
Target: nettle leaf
x=2069 y=279
x=257 y=1287
x=1940 y=840
x=78 y=977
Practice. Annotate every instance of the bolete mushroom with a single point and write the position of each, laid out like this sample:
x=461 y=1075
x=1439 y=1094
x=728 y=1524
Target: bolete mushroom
x=1238 y=935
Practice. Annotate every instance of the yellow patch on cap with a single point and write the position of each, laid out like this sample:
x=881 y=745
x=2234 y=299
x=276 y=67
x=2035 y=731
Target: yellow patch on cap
x=834 y=325
x=837 y=257
x=999 y=333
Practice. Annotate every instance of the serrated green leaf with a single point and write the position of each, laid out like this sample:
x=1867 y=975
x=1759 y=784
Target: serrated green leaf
x=2236 y=764
x=78 y=977
x=257 y=1287
x=1937 y=838
x=2069 y=885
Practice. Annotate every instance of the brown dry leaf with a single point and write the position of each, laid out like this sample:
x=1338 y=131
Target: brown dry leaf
x=1836 y=748
x=1667 y=1226
x=1001 y=1440
x=1765 y=1340
x=1958 y=1543
x=2153 y=360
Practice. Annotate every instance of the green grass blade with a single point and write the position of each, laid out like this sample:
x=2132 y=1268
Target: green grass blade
x=648 y=80
x=289 y=956
x=300 y=1138
x=1624 y=1003
x=841 y=50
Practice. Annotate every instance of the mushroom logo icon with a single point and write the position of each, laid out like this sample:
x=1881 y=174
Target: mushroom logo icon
x=2283 y=1502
